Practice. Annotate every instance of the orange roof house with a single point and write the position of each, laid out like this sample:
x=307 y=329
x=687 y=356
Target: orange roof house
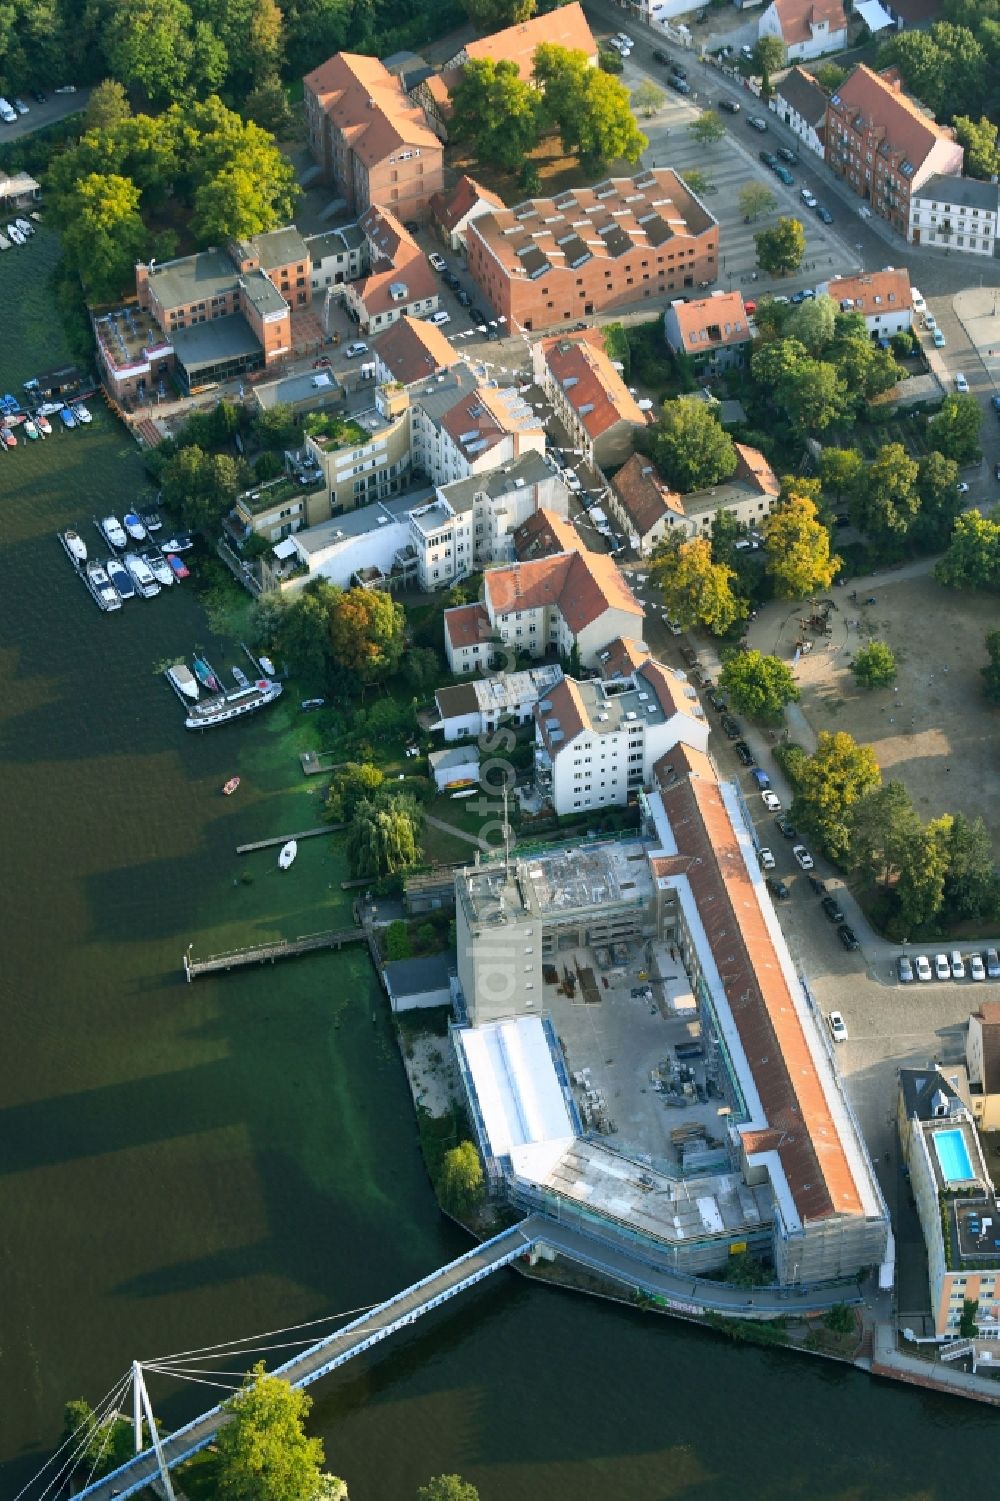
x=588 y=394
x=712 y=330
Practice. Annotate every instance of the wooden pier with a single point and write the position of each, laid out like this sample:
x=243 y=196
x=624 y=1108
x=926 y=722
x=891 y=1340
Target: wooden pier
x=270 y=844
x=268 y=953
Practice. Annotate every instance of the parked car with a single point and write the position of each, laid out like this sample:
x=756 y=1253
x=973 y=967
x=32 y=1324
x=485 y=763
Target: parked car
x=766 y=858
x=768 y=158
x=802 y=856
x=463 y=299
x=977 y=969
x=785 y=826
x=659 y=56
x=957 y=965
x=451 y=280
x=923 y=965
x=930 y=322
x=996 y=471
x=938 y=339
x=729 y=106
x=818 y=885
x=678 y=84
x=744 y=752
x=831 y=907
x=992 y=964
x=823 y=214
x=21 y=107
x=323 y=363
x=761 y=777
x=353 y=350
x=771 y=801
x=437 y=261
x=678 y=71
x=411 y=226
x=777 y=888
x=440 y=318
x=757 y=122
x=783 y=175
x=807 y=197
x=848 y=937
x=788 y=155
x=838 y=1027
x=730 y=727
x=942 y=969
x=961 y=384
x=904 y=969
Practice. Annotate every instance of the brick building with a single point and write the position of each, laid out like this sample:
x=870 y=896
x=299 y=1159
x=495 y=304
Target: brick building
x=369 y=138
x=551 y=261
x=884 y=145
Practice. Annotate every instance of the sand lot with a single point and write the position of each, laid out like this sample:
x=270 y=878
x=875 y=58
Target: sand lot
x=935 y=732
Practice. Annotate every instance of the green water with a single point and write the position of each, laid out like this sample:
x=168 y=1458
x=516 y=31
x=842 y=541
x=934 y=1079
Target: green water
x=180 y=1164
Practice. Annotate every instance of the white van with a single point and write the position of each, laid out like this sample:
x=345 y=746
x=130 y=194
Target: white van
x=7 y=114
x=439 y=318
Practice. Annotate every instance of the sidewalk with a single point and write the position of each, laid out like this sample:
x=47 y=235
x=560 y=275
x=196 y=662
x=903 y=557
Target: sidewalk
x=889 y=1360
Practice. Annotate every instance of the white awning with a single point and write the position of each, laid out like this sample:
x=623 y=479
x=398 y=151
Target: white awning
x=874 y=15
x=285 y=549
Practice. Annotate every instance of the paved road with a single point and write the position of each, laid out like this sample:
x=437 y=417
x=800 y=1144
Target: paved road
x=56 y=107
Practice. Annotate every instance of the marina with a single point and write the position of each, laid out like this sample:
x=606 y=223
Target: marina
x=218 y=706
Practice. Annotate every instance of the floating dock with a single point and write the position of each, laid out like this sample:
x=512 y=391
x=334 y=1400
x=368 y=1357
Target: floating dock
x=268 y=953
x=268 y=844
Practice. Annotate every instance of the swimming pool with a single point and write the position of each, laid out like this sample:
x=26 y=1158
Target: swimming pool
x=953 y=1156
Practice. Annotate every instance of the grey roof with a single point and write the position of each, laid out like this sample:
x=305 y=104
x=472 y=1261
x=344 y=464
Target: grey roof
x=530 y=469
x=921 y=1087
x=192 y=278
x=220 y=339
x=459 y=698
x=279 y=247
x=396 y=62
x=307 y=389
x=438 y=394
x=964 y=192
x=334 y=242
x=804 y=95
x=719 y=497
x=263 y=293
x=453 y=755
x=405 y=977
x=364 y=519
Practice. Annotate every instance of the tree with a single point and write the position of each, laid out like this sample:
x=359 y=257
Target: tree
x=967 y=1326
x=107 y=106
x=460 y=1182
x=970 y=884
x=149 y=47
x=839 y=1319
x=840 y=471
x=866 y=370
x=604 y=128
x=813 y=323
x=973 y=557
x=382 y=838
x=105 y=235
x=254 y=189
x=267 y=105
x=263 y=1452
x=874 y=666
x=692 y=447
x=302 y=632
x=780 y=250
x=954 y=430
x=758 y=686
x=979 y=137
x=920 y=888
x=881 y=825
x=695 y=590
x=755 y=199
x=367 y=631
x=354 y=783
x=647 y=98
x=991 y=672
x=941 y=66
x=830 y=76
x=447 y=1488
x=707 y=128
x=775 y=365
x=798 y=549
x=397 y=941
x=331 y=1488
x=828 y=784
x=697 y=182
x=813 y=397
x=768 y=55
x=886 y=502
x=940 y=502
x=494 y=15
x=107 y=1444
x=494 y=109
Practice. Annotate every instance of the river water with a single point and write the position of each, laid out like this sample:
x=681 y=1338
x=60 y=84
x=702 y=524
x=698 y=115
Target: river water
x=185 y=1164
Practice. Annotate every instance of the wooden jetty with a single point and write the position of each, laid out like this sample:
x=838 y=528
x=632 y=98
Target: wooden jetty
x=270 y=844
x=268 y=953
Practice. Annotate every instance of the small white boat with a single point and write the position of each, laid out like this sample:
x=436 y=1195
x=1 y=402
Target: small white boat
x=142 y=575
x=24 y=226
x=114 y=532
x=102 y=588
x=76 y=547
x=240 y=677
x=159 y=568
x=288 y=853
x=43 y=424
x=81 y=413
x=15 y=236
x=134 y=527
x=267 y=667
x=184 y=680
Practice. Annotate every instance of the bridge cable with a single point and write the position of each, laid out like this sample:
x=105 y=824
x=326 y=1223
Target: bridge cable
x=226 y=1386
x=105 y=1410
x=292 y=1344
x=229 y=1346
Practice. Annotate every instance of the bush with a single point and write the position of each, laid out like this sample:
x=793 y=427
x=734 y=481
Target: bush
x=610 y=60
x=397 y=941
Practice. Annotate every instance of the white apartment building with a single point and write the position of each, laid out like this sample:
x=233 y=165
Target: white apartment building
x=808 y=28
x=957 y=212
x=596 y=743
x=801 y=103
x=468 y=710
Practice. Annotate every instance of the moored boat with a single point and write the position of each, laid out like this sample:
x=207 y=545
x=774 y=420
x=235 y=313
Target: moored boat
x=43 y=424
x=81 y=413
x=142 y=575
x=121 y=579
x=183 y=680
x=151 y=520
x=206 y=676
x=31 y=432
x=267 y=667
x=134 y=527
x=230 y=786
x=240 y=678
x=288 y=853
x=228 y=706
x=159 y=568
x=7 y=434
x=101 y=587
x=76 y=547
x=177 y=568
x=113 y=532
x=178 y=542
x=66 y=417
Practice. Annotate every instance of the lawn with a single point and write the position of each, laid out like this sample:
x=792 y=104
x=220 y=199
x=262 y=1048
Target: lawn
x=557 y=171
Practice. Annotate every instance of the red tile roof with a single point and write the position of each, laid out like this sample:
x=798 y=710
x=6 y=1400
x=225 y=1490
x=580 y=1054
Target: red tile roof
x=622 y=657
x=753 y=469
x=797 y=18
x=892 y=287
x=411 y=349
x=644 y=498
x=451 y=208
x=712 y=322
x=467 y=625
x=801 y=1127
x=396 y=258
x=879 y=100
x=566 y=26
x=369 y=106
x=543 y=534
x=482 y=418
x=582 y=585
x=590 y=383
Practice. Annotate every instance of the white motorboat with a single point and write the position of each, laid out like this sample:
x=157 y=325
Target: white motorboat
x=102 y=588
x=81 y=413
x=159 y=568
x=184 y=682
x=49 y=409
x=134 y=527
x=240 y=678
x=76 y=547
x=288 y=853
x=24 y=226
x=14 y=235
x=121 y=579
x=142 y=575
x=114 y=532
x=267 y=667
x=222 y=708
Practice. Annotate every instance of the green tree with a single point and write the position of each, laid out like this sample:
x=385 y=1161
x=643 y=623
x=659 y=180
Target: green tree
x=887 y=503
x=866 y=370
x=775 y=365
x=107 y=106
x=105 y=235
x=707 y=128
x=758 y=686
x=920 y=888
x=756 y=198
x=941 y=66
x=397 y=941
x=874 y=666
x=830 y=76
x=979 y=137
x=367 y=633
x=798 y=549
x=460 y=1182
x=695 y=590
x=973 y=557
x=382 y=839
x=647 y=98
x=107 y=1444
x=841 y=471
x=604 y=129
x=768 y=55
x=354 y=783
x=267 y=105
x=882 y=825
x=991 y=672
x=495 y=110
x=447 y=1488
x=839 y=1319
x=692 y=447
x=254 y=191
x=697 y=182
x=814 y=397
x=303 y=634
x=494 y=15
x=970 y=884
x=967 y=1326
x=813 y=323
x=780 y=250
x=940 y=502
x=263 y=1453
x=148 y=44
x=954 y=430
x=828 y=784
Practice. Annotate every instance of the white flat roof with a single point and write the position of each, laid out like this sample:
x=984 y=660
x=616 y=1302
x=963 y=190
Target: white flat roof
x=515 y=1080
